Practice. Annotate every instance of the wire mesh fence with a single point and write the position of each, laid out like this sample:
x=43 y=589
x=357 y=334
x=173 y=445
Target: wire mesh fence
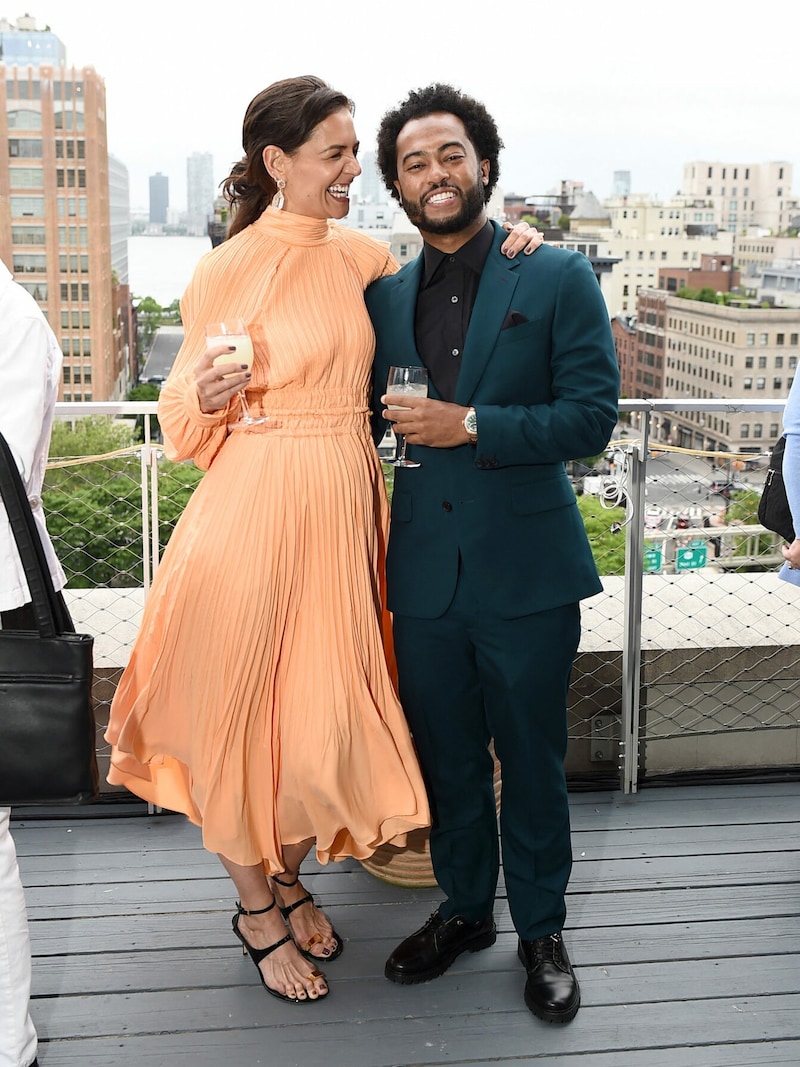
x=689 y=658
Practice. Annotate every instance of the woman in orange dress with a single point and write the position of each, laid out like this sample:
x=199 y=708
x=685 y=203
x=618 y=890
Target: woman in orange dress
x=259 y=698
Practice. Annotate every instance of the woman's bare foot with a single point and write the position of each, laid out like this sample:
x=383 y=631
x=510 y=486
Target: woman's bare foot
x=284 y=970
x=308 y=925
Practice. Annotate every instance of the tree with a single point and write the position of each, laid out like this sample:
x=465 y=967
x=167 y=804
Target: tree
x=146 y=391
x=708 y=295
x=94 y=509
x=608 y=548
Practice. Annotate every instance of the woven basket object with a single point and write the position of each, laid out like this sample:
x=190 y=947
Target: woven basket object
x=410 y=866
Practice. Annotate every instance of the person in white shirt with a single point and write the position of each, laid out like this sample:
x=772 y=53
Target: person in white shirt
x=30 y=367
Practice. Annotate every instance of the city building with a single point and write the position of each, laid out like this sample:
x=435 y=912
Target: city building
x=744 y=198
x=714 y=272
x=780 y=285
x=721 y=351
x=200 y=192
x=622 y=183
x=623 y=329
x=55 y=208
x=755 y=254
x=159 y=198
x=22 y=45
x=369 y=185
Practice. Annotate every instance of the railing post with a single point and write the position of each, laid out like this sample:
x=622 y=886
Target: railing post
x=632 y=617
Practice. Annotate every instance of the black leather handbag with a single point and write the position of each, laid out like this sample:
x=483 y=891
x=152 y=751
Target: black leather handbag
x=47 y=725
x=773 y=507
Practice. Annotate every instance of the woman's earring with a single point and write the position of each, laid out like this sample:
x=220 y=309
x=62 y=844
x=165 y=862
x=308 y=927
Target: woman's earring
x=277 y=200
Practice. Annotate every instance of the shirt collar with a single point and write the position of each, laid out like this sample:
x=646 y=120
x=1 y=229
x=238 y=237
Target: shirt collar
x=473 y=254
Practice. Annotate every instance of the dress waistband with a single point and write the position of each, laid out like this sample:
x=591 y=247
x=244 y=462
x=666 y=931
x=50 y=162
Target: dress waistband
x=299 y=411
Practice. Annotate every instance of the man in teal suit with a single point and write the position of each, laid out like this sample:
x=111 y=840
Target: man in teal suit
x=488 y=557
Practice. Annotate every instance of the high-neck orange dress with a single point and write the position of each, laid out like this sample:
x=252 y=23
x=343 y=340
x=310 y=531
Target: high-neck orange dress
x=259 y=698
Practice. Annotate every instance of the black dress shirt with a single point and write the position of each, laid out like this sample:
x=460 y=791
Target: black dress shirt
x=444 y=306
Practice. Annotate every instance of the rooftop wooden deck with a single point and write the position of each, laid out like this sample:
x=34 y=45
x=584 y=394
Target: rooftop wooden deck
x=684 y=924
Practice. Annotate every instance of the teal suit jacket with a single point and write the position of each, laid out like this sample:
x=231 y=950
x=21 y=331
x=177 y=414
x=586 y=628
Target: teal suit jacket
x=544 y=391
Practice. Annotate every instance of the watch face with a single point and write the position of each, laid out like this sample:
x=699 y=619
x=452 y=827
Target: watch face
x=471 y=422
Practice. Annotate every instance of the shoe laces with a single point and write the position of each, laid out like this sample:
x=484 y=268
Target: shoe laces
x=548 y=950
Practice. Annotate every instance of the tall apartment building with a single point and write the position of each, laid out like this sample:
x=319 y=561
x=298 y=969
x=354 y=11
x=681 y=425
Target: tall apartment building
x=199 y=191
x=743 y=197
x=54 y=206
x=712 y=351
x=159 y=198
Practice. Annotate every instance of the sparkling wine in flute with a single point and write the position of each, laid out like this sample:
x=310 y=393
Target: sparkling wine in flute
x=233 y=333
x=405 y=381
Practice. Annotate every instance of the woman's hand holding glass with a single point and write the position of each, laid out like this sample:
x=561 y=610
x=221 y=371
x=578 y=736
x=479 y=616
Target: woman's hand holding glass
x=224 y=370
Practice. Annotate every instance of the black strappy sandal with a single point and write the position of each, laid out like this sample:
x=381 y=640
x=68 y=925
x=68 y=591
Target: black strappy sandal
x=259 y=954
x=315 y=939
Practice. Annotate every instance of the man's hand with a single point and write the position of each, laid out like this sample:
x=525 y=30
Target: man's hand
x=427 y=422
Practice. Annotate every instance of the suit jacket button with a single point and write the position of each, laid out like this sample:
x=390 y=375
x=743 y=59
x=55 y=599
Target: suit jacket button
x=446 y=505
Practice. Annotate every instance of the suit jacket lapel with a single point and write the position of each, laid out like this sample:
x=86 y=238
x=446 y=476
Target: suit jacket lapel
x=492 y=303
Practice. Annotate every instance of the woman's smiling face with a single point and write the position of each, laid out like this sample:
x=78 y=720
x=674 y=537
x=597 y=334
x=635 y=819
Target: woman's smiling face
x=319 y=174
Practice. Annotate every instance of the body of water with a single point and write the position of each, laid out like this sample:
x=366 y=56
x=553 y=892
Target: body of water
x=162 y=266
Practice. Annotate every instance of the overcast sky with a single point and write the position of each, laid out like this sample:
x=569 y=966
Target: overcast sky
x=578 y=89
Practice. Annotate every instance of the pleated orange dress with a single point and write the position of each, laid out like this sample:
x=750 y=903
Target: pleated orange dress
x=259 y=698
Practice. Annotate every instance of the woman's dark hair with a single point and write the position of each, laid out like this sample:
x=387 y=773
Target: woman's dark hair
x=479 y=124
x=284 y=114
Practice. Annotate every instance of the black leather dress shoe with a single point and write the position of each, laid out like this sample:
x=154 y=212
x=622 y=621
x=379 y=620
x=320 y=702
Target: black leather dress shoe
x=552 y=992
x=432 y=949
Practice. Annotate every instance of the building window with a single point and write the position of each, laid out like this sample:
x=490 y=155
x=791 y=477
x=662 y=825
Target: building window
x=25 y=148
x=24 y=119
x=748 y=362
x=26 y=177
x=761 y=383
x=744 y=429
x=762 y=362
x=750 y=340
x=778 y=362
x=748 y=383
x=779 y=338
x=27 y=207
x=763 y=338
x=777 y=383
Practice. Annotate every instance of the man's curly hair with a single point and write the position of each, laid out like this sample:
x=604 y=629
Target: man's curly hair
x=479 y=124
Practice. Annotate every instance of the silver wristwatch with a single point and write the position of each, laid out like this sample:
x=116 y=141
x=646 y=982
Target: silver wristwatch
x=471 y=426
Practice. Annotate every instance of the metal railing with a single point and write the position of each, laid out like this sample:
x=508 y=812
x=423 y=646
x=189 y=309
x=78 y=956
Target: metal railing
x=689 y=661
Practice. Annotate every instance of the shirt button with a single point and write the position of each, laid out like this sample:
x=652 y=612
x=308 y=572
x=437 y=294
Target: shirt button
x=446 y=505
x=453 y=299
x=455 y=352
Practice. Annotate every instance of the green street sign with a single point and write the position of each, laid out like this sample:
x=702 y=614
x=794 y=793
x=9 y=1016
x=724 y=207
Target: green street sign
x=652 y=559
x=691 y=557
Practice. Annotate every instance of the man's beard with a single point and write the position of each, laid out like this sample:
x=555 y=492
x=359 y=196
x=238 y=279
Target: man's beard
x=472 y=204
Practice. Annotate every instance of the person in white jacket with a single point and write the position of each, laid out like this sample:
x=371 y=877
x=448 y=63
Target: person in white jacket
x=30 y=367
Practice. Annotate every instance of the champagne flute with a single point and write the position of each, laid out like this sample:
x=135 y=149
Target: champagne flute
x=405 y=381
x=233 y=333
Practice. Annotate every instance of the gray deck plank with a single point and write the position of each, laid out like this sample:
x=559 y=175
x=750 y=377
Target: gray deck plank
x=315 y=1036
x=683 y=923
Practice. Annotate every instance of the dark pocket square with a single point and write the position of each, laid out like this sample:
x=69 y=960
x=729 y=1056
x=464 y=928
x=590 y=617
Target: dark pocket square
x=513 y=318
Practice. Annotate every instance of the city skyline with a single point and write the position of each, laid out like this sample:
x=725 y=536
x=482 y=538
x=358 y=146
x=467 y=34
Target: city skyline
x=614 y=88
